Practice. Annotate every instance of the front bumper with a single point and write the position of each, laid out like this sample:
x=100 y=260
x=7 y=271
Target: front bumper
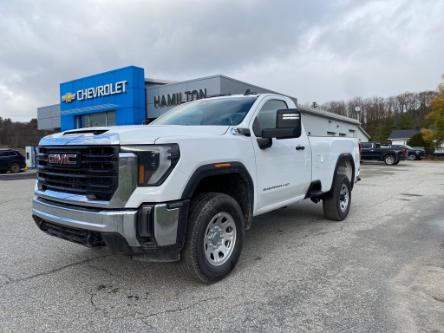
x=157 y=228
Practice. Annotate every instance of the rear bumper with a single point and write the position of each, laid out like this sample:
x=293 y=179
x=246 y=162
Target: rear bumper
x=150 y=229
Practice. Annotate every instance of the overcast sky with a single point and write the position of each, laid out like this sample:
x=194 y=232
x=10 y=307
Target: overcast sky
x=312 y=50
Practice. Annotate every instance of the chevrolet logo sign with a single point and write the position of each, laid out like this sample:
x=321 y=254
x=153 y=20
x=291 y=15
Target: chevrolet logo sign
x=68 y=97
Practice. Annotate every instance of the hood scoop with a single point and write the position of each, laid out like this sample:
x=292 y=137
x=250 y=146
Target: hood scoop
x=91 y=132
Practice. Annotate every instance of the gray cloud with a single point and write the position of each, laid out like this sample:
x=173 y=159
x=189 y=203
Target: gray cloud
x=313 y=50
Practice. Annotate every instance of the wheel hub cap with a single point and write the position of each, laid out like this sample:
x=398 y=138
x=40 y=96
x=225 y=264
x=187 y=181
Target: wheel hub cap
x=344 y=198
x=220 y=239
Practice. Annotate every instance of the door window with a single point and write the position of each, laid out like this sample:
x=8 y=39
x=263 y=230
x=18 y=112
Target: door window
x=266 y=118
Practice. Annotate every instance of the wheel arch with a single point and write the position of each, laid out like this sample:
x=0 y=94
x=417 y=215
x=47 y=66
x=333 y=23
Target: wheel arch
x=232 y=179
x=341 y=168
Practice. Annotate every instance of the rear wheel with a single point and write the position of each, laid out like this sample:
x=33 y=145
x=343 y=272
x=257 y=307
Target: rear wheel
x=14 y=168
x=214 y=238
x=389 y=159
x=337 y=204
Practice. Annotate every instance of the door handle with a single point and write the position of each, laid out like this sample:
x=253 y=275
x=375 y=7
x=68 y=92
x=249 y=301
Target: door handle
x=300 y=147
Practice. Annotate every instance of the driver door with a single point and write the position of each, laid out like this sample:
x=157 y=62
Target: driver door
x=284 y=168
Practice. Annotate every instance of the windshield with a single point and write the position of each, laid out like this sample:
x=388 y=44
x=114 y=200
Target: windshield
x=223 y=111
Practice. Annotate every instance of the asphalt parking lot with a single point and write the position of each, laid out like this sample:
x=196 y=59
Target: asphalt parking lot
x=381 y=270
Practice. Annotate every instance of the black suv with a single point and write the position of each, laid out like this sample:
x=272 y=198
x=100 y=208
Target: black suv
x=11 y=160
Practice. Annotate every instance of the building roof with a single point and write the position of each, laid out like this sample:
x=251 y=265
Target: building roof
x=403 y=134
x=158 y=81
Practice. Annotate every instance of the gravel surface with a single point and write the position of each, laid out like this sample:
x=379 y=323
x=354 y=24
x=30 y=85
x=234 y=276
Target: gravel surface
x=381 y=270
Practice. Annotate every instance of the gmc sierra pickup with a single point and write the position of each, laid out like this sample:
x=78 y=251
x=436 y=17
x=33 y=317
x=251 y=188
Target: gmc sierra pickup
x=187 y=186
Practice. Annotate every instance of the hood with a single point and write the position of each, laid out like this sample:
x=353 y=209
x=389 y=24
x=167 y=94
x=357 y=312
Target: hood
x=126 y=135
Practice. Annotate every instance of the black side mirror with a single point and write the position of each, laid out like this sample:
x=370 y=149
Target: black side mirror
x=288 y=125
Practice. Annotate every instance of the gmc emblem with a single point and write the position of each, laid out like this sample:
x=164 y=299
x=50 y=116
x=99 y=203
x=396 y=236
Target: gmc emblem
x=62 y=159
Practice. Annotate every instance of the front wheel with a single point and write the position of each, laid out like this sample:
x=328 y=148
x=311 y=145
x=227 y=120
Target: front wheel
x=214 y=238
x=337 y=204
x=389 y=160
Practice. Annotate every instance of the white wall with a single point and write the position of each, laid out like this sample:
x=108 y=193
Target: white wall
x=399 y=141
x=319 y=125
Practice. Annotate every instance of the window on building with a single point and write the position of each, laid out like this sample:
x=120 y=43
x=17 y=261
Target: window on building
x=342 y=134
x=331 y=133
x=97 y=119
x=110 y=118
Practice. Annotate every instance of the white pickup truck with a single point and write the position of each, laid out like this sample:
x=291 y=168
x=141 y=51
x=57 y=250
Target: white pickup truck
x=187 y=186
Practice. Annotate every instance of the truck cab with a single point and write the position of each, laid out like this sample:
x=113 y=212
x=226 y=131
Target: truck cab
x=187 y=186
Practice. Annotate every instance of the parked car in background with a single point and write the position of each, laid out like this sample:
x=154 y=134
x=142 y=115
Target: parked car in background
x=372 y=151
x=412 y=153
x=439 y=152
x=11 y=160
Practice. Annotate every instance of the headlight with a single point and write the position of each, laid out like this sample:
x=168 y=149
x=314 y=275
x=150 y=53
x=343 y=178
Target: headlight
x=155 y=162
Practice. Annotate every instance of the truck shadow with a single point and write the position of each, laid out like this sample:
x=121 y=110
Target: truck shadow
x=117 y=285
x=269 y=232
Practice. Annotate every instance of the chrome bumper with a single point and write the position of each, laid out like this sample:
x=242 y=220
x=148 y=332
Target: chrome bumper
x=161 y=222
x=122 y=222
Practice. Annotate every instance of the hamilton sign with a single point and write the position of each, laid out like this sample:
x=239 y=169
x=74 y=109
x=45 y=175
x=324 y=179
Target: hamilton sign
x=95 y=92
x=179 y=98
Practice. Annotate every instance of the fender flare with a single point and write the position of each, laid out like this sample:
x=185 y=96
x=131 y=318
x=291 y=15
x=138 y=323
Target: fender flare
x=209 y=170
x=345 y=157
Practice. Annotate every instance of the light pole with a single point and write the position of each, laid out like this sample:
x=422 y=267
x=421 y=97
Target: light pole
x=357 y=111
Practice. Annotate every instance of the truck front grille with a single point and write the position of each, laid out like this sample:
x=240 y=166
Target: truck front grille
x=90 y=171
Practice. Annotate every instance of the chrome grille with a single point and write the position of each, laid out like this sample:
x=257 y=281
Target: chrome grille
x=95 y=174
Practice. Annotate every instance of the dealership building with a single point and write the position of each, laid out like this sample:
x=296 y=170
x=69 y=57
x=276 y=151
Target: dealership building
x=126 y=97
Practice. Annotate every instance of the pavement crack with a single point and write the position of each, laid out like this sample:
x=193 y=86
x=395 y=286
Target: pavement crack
x=55 y=270
x=3 y=202
x=179 y=309
x=439 y=299
x=101 y=269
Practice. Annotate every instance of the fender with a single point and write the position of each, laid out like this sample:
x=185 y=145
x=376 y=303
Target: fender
x=342 y=157
x=209 y=170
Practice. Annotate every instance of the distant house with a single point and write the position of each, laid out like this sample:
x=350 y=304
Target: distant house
x=400 y=137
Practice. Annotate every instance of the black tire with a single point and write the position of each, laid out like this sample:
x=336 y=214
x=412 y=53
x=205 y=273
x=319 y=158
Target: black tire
x=14 y=168
x=390 y=159
x=333 y=204
x=204 y=209
x=397 y=162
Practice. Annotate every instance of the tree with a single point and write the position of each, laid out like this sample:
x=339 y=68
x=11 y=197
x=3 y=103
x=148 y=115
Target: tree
x=16 y=134
x=435 y=119
x=418 y=140
x=406 y=121
x=379 y=115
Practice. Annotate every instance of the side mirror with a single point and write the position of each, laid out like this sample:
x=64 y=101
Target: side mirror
x=288 y=125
